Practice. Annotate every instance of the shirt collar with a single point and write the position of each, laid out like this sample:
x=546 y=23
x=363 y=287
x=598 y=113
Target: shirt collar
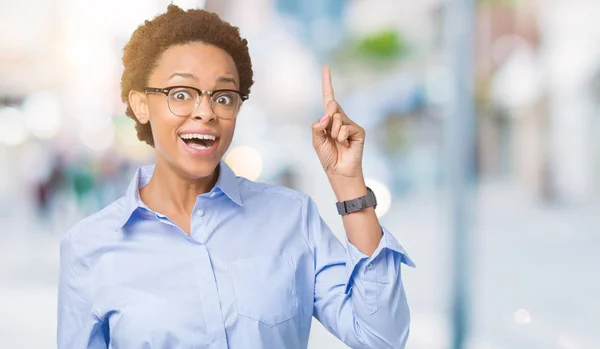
x=226 y=183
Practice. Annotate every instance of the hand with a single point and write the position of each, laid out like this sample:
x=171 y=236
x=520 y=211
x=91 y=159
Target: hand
x=338 y=141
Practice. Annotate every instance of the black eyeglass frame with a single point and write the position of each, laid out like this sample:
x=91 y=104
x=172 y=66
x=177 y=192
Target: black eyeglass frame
x=167 y=90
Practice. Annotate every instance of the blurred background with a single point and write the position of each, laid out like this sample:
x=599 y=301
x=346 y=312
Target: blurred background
x=506 y=237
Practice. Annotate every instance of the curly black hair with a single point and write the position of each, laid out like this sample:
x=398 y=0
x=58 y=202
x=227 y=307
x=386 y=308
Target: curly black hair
x=176 y=27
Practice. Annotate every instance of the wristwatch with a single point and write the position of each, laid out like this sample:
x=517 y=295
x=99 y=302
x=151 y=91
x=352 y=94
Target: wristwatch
x=360 y=203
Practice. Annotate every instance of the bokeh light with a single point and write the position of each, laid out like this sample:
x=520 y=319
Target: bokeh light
x=245 y=161
x=13 y=130
x=384 y=197
x=98 y=139
x=522 y=317
x=42 y=115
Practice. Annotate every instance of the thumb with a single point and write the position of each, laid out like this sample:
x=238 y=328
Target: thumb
x=318 y=130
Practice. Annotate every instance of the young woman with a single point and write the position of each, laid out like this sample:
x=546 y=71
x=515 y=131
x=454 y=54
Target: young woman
x=193 y=256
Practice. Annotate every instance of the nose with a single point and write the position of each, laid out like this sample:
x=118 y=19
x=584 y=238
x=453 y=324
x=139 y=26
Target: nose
x=204 y=111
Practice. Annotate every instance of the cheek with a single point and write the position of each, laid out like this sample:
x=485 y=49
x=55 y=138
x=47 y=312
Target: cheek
x=164 y=127
x=158 y=106
x=227 y=131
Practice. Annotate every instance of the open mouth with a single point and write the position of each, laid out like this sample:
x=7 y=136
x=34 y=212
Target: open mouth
x=198 y=141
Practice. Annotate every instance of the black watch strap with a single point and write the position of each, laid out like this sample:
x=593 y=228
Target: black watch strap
x=360 y=203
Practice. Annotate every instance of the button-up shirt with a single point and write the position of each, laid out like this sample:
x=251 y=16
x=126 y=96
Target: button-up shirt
x=258 y=264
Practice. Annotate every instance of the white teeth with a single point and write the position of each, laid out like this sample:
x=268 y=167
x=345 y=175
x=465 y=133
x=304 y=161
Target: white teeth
x=197 y=136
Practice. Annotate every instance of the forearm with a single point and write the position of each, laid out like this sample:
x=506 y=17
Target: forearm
x=362 y=228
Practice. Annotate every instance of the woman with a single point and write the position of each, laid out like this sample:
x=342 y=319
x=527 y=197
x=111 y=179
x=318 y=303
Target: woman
x=193 y=256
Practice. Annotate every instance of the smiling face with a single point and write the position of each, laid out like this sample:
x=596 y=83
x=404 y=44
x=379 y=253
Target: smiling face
x=193 y=144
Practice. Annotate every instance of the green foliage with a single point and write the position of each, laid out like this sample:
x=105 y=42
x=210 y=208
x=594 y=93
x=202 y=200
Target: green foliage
x=386 y=44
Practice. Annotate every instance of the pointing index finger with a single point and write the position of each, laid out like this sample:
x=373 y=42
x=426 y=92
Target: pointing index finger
x=327 y=86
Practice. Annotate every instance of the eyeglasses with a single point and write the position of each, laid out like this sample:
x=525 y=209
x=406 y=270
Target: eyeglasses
x=184 y=100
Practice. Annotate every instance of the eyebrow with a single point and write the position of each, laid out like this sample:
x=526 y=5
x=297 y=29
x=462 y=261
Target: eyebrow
x=220 y=80
x=184 y=75
x=226 y=79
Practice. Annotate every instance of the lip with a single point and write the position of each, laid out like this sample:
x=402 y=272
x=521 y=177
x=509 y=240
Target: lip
x=200 y=152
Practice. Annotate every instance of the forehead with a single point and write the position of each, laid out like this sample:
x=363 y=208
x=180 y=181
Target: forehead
x=204 y=61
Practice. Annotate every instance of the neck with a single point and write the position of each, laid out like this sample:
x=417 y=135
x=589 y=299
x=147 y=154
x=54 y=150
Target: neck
x=171 y=192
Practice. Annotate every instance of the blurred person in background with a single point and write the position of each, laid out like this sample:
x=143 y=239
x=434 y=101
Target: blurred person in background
x=193 y=256
x=47 y=188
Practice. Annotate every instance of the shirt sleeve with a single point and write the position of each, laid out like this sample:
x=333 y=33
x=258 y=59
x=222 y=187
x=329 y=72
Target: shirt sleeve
x=77 y=327
x=359 y=299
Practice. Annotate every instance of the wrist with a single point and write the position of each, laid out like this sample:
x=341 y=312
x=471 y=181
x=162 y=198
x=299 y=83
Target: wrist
x=348 y=188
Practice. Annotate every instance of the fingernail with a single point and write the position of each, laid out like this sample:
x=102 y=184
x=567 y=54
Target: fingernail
x=324 y=117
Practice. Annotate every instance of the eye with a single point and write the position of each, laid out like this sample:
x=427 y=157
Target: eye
x=182 y=94
x=224 y=99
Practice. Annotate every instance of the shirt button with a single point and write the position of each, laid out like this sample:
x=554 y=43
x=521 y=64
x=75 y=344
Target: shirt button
x=200 y=212
x=370 y=266
x=212 y=195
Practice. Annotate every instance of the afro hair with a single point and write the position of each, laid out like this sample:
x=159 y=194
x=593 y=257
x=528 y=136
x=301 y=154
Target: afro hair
x=178 y=27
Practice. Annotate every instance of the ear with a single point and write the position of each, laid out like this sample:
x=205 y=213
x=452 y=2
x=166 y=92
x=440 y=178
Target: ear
x=139 y=103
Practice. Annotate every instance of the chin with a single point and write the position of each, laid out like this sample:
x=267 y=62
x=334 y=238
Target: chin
x=194 y=163
x=199 y=168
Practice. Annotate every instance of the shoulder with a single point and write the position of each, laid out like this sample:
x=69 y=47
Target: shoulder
x=94 y=227
x=271 y=193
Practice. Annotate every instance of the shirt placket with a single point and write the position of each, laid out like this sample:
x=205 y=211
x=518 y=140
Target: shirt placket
x=208 y=284
x=210 y=298
x=206 y=280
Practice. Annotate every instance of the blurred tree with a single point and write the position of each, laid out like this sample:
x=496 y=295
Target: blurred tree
x=381 y=47
x=386 y=44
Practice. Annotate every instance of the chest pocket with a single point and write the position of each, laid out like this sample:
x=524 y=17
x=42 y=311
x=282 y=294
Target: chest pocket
x=265 y=288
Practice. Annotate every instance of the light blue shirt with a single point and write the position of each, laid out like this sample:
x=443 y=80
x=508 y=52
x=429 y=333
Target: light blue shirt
x=258 y=265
